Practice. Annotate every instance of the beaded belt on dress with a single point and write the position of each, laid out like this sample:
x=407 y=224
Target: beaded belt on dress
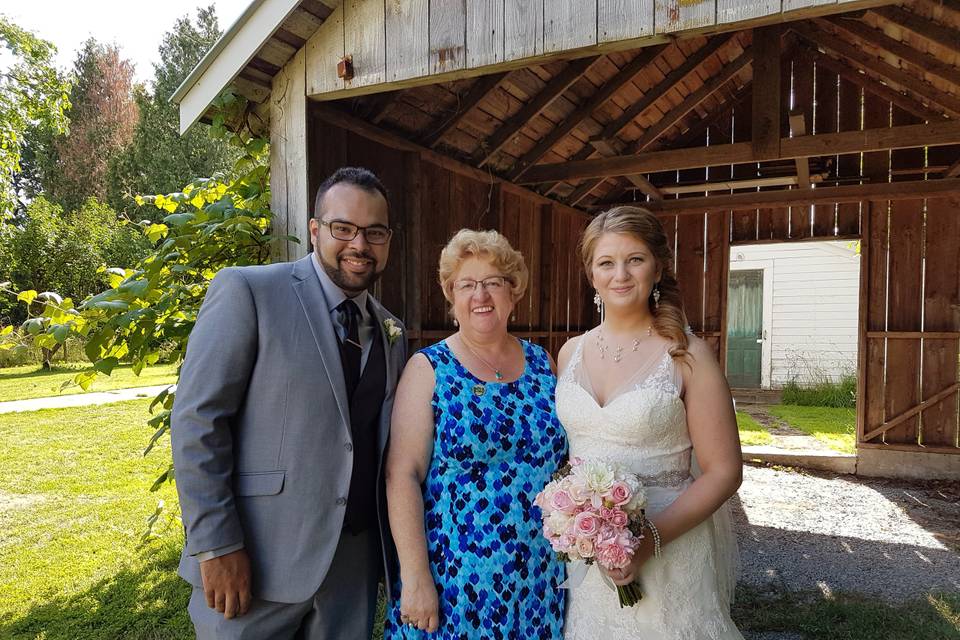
x=673 y=478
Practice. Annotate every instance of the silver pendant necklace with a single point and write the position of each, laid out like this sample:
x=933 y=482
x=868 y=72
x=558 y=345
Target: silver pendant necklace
x=603 y=348
x=496 y=370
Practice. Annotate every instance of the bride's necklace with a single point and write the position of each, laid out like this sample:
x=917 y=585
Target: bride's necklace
x=618 y=349
x=496 y=370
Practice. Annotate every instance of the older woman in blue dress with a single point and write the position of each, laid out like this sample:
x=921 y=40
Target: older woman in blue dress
x=474 y=438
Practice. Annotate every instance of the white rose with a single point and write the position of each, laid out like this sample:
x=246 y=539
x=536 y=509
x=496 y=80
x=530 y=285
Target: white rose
x=558 y=522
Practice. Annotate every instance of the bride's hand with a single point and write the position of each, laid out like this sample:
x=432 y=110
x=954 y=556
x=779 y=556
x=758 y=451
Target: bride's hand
x=419 y=604
x=631 y=572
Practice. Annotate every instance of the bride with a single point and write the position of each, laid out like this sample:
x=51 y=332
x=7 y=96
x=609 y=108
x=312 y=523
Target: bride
x=643 y=392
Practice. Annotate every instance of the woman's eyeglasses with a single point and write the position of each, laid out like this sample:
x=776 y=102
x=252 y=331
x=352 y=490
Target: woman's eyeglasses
x=491 y=285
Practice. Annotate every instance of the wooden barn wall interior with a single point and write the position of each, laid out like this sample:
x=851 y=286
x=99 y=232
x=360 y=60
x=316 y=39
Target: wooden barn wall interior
x=532 y=151
x=433 y=197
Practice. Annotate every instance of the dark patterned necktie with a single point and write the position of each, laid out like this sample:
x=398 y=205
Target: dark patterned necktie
x=350 y=348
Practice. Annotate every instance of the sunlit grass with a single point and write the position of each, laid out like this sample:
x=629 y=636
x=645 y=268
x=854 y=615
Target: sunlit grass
x=751 y=432
x=30 y=381
x=835 y=427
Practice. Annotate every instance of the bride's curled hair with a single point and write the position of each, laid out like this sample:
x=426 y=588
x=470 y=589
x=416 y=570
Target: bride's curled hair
x=669 y=320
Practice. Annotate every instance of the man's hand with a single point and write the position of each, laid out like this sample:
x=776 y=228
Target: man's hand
x=226 y=583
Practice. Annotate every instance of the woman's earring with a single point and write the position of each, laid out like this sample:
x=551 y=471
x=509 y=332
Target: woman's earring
x=598 y=302
x=656 y=295
x=456 y=323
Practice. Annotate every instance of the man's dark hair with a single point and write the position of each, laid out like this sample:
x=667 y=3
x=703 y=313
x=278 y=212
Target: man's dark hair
x=357 y=176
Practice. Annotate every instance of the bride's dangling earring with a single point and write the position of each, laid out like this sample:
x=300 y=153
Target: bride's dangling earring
x=598 y=301
x=656 y=295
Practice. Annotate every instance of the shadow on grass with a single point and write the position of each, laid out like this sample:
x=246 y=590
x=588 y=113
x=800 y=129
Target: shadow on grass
x=148 y=603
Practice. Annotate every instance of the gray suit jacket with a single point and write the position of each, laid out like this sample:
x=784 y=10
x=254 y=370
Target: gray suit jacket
x=261 y=428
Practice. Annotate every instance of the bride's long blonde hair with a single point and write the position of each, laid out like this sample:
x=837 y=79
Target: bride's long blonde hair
x=669 y=319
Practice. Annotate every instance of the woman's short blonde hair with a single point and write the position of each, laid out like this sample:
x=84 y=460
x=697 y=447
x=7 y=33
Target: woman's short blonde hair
x=468 y=243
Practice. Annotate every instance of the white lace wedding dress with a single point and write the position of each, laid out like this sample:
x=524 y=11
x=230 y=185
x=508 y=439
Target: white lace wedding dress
x=687 y=590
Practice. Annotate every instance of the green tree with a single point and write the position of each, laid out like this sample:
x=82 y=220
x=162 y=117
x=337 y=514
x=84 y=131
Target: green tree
x=32 y=95
x=160 y=160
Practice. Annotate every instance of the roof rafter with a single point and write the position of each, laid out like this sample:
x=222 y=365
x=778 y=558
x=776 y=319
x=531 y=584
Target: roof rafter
x=841 y=47
x=477 y=92
x=604 y=93
x=879 y=39
x=556 y=87
x=672 y=117
x=611 y=130
x=920 y=26
x=868 y=83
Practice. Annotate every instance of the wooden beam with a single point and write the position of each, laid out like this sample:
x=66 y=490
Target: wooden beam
x=798 y=127
x=477 y=92
x=604 y=93
x=672 y=117
x=732 y=185
x=819 y=195
x=766 y=92
x=646 y=187
x=927 y=29
x=934 y=134
x=915 y=335
x=908 y=81
x=890 y=424
x=553 y=90
x=881 y=40
x=868 y=83
x=953 y=170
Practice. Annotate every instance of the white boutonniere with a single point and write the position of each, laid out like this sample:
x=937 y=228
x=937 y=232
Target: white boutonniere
x=393 y=331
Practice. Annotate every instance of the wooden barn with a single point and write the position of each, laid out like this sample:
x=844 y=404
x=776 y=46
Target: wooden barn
x=737 y=121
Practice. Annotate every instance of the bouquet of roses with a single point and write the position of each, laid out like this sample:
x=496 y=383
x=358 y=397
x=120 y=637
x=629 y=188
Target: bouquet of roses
x=593 y=511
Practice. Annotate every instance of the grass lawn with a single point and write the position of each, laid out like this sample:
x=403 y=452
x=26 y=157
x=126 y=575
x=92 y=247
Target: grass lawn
x=847 y=617
x=30 y=381
x=835 y=427
x=74 y=500
x=751 y=432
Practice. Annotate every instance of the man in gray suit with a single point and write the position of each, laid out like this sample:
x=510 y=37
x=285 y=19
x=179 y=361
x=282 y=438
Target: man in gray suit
x=279 y=428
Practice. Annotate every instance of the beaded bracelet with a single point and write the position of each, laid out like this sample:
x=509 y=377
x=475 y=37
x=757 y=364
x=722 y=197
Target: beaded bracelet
x=656 y=537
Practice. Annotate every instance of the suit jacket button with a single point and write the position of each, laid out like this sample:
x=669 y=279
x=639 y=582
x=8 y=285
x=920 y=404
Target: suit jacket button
x=341 y=502
x=348 y=447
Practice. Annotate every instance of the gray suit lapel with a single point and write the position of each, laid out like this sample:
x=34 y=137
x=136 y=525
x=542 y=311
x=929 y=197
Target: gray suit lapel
x=310 y=293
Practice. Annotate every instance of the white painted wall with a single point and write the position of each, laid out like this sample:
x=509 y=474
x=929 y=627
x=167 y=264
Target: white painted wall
x=810 y=308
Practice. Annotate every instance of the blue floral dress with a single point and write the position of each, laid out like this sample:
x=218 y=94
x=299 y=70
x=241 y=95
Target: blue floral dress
x=496 y=445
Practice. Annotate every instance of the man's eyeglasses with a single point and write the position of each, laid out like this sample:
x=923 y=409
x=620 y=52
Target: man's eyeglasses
x=347 y=231
x=491 y=285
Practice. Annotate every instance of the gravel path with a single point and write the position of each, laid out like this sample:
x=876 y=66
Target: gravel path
x=892 y=539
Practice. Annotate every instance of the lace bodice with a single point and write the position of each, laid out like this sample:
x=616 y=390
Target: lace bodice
x=643 y=427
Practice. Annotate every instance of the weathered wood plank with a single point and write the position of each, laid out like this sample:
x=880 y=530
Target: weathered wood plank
x=941 y=313
x=407 y=29
x=289 y=198
x=717 y=268
x=905 y=306
x=448 y=36
x=874 y=304
x=795 y=5
x=680 y=15
x=737 y=10
x=363 y=40
x=522 y=28
x=766 y=92
x=621 y=19
x=568 y=24
x=825 y=121
x=689 y=259
x=324 y=49
x=484 y=32
x=848 y=214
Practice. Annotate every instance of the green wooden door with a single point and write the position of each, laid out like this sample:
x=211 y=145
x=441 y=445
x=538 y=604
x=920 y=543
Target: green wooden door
x=745 y=328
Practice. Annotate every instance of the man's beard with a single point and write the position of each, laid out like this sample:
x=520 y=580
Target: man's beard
x=350 y=281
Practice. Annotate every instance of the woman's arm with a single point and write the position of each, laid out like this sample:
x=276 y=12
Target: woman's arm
x=411 y=446
x=716 y=443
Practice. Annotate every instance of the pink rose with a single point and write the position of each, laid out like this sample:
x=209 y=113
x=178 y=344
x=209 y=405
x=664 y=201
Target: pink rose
x=576 y=460
x=586 y=524
x=585 y=547
x=613 y=556
x=564 y=543
x=619 y=493
x=606 y=534
x=618 y=518
x=561 y=501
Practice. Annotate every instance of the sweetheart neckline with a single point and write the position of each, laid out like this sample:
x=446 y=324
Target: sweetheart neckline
x=601 y=407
